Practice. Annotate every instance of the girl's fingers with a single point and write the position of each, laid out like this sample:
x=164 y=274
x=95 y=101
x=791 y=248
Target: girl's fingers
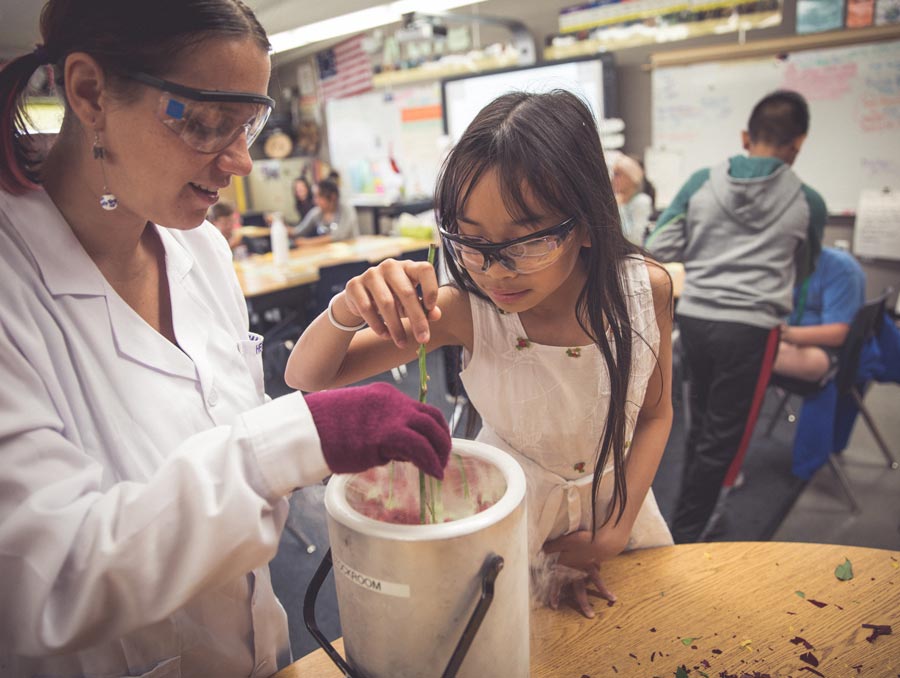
x=402 y=281
x=555 y=588
x=581 y=599
x=386 y=293
x=359 y=302
x=389 y=309
x=602 y=589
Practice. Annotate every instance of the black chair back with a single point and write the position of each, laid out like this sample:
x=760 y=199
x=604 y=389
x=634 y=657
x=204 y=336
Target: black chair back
x=865 y=325
x=332 y=280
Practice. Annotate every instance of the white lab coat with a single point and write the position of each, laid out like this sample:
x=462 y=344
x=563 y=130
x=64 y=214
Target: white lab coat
x=139 y=483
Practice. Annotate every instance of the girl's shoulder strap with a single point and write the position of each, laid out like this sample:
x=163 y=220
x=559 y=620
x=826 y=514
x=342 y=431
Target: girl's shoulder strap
x=490 y=324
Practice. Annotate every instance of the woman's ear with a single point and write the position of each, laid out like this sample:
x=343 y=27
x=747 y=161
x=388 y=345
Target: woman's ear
x=85 y=84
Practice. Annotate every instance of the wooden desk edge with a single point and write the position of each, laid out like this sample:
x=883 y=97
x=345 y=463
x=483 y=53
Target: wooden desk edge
x=761 y=558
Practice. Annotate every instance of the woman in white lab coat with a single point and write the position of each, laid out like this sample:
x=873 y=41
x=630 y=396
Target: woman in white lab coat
x=143 y=473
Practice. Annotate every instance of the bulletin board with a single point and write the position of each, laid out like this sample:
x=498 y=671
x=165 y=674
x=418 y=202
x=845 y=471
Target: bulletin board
x=699 y=111
x=368 y=131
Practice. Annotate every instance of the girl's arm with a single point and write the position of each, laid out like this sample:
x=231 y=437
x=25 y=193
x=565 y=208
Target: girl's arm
x=385 y=297
x=651 y=433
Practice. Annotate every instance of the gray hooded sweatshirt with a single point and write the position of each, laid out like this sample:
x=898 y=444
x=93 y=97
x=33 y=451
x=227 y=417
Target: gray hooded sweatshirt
x=740 y=228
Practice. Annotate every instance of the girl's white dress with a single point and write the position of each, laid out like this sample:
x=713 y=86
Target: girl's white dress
x=547 y=406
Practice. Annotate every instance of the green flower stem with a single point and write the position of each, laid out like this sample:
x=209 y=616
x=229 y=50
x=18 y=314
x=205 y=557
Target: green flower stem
x=423 y=396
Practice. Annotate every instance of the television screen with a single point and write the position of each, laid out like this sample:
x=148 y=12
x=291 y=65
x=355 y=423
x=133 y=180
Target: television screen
x=592 y=78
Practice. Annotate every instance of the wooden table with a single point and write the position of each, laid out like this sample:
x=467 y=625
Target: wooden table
x=742 y=608
x=258 y=275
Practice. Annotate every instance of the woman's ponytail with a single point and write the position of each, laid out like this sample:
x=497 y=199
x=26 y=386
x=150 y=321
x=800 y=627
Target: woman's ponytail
x=18 y=161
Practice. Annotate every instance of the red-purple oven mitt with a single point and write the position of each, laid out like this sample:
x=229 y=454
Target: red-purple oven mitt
x=365 y=426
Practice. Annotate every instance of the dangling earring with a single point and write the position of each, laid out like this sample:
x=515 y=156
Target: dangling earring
x=107 y=201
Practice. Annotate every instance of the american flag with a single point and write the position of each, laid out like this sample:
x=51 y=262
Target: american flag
x=344 y=70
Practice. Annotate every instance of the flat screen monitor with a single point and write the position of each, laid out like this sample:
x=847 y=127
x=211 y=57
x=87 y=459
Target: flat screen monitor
x=592 y=78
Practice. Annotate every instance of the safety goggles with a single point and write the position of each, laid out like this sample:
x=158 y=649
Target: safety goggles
x=528 y=254
x=208 y=120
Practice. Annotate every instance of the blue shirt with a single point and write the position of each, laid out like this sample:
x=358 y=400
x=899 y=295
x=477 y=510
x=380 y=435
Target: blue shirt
x=836 y=291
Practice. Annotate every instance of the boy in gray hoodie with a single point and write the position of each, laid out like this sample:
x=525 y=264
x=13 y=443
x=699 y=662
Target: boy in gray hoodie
x=744 y=230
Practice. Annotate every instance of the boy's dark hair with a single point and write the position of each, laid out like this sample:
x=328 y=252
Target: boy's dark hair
x=121 y=36
x=328 y=188
x=548 y=144
x=779 y=118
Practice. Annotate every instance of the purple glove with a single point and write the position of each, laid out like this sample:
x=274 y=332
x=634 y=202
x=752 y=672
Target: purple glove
x=366 y=426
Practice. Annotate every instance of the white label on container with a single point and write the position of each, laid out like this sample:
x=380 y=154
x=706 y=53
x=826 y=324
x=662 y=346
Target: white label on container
x=370 y=583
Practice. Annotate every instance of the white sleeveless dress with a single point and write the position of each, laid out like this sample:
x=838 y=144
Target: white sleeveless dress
x=547 y=406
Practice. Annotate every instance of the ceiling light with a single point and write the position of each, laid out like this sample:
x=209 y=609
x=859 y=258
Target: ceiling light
x=356 y=22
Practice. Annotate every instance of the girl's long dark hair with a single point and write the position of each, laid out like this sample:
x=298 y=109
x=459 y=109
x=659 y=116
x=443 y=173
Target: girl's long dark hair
x=549 y=144
x=120 y=35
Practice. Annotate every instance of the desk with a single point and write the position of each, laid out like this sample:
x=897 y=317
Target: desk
x=737 y=601
x=255 y=231
x=258 y=275
x=393 y=210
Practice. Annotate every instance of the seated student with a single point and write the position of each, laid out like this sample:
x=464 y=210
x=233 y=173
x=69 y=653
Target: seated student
x=227 y=220
x=824 y=306
x=330 y=220
x=635 y=206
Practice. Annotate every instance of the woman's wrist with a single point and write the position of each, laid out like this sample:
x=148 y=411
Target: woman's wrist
x=337 y=320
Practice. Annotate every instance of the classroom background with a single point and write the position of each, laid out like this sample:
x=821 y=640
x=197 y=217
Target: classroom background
x=671 y=84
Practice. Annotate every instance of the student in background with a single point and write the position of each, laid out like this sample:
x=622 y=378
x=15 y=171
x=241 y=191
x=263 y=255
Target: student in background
x=224 y=217
x=303 y=197
x=635 y=206
x=329 y=221
x=566 y=330
x=824 y=307
x=145 y=472
x=740 y=229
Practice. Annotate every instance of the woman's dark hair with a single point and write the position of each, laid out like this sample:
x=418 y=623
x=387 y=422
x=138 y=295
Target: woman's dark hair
x=305 y=205
x=548 y=145
x=779 y=118
x=121 y=36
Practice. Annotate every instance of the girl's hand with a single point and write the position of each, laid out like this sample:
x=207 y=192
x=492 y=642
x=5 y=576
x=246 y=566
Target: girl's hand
x=563 y=577
x=578 y=564
x=386 y=293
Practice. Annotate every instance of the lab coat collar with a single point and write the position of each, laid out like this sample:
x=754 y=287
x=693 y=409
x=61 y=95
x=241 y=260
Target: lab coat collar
x=66 y=269
x=139 y=342
x=64 y=265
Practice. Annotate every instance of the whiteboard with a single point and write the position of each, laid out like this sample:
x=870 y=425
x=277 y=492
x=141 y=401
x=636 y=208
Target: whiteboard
x=366 y=131
x=853 y=92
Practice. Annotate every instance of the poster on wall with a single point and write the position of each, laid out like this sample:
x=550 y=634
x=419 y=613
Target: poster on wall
x=860 y=13
x=887 y=12
x=815 y=16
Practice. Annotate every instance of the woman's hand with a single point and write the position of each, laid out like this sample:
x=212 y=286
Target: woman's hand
x=577 y=565
x=386 y=293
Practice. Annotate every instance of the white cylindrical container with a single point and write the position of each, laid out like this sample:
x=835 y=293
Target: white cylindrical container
x=280 y=242
x=406 y=592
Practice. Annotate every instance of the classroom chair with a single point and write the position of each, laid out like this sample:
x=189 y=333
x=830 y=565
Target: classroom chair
x=846 y=377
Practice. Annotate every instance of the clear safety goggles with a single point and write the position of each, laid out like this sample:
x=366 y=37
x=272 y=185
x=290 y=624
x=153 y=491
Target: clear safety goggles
x=529 y=254
x=208 y=121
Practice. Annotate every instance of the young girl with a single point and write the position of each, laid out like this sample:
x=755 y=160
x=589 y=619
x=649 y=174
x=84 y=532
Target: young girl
x=565 y=328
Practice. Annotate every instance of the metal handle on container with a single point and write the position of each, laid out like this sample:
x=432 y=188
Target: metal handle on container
x=309 y=616
x=489 y=572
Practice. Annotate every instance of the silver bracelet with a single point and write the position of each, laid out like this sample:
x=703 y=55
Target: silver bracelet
x=344 y=328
